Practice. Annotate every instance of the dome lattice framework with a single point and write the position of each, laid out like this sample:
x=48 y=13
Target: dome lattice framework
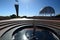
x=47 y=10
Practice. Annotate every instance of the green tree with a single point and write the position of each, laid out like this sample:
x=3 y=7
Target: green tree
x=58 y=15
x=13 y=16
x=24 y=17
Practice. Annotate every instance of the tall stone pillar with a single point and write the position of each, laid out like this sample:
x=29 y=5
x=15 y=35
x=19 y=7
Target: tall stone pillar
x=17 y=8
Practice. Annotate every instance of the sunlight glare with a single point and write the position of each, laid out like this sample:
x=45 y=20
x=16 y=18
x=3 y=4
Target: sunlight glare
x=25 y=38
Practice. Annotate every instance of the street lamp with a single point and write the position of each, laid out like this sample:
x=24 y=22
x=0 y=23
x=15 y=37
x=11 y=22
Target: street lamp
x=17 y=8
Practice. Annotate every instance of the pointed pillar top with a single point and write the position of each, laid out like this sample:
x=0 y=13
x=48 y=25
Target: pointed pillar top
x=16 y=0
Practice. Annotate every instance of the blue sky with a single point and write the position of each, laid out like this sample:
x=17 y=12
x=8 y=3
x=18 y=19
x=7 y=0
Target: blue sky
x=27 y=7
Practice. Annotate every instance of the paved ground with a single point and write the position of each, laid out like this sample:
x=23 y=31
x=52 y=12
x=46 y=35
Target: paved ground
x=7 y=25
